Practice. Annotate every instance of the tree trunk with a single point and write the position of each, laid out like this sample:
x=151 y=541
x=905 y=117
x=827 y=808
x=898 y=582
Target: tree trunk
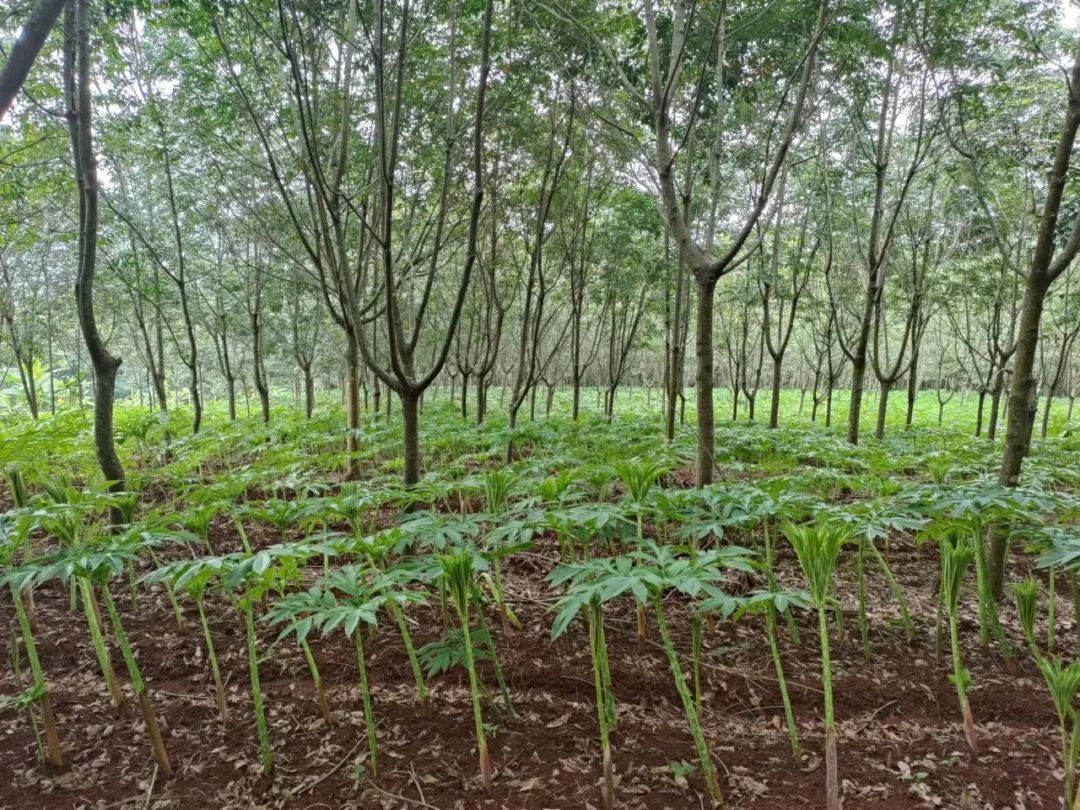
x=410 y=420
x=995 y=405
x=882 y=410
x=1019 y=424
x=1047 y=263
x=105 y=365
x=352 y=403
x=774 y=403
x=706 y=418
x=230 y=393
x=912 y=389
x=309 y=392
x=858 y=376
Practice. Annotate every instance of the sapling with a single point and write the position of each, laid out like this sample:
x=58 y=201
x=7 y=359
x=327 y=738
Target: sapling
x=956 y=555
x=817 y=547
x=458 y=573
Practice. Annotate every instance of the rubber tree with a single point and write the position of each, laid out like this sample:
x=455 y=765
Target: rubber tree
x=399 y=372
x=77 y=88
x=664 y=86
x=21 y=57
x=1049 y=262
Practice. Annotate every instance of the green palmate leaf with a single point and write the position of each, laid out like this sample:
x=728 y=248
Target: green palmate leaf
x=817 y=546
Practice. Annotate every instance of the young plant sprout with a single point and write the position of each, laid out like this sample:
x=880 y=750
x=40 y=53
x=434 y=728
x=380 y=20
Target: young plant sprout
x=458 y=571
x=1026 y=595
x=638 y=477
x=956 y=555
x=1064 y=684
x=818 y=547
x=497 y=485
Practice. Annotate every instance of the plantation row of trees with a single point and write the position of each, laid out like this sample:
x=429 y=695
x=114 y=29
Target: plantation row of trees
x=386 y=196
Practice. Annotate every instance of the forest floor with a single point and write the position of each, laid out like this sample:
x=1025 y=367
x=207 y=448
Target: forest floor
x=900 y=741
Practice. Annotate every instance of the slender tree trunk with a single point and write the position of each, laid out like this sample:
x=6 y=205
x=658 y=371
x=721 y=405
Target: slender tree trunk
x=858 y=376
x=774 y=402
x=352 y=403
x=912 y=389
x=105 y=365
x=410 y=420
x=309 y=391
x=1047 y=263
x=995 y=405
x=706 y=418
x=882 y=411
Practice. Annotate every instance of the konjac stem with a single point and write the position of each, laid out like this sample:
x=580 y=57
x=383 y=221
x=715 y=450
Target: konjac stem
x=697 y=635
x=597 y=645
x=864 y=623
x=961 y=687
x=316 y=679
x=266 y=753
x=789 y=714
x=211 y=655
x=365 y=698
x=832 y=784
x=986 y=601
x=897 y=591
x=414 y=663
x=504 y=690
x=474 y=690
x=773 y=586
x=86 y=590
x=707 y=770
x=52 y=739
x=1051 y=609
x=138 y=685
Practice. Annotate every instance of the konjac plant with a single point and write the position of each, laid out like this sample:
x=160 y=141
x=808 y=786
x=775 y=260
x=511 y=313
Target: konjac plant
x=817 y=546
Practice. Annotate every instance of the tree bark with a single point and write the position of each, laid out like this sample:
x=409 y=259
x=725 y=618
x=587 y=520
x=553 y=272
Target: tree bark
x=105 y=365
x=25 y=50
x=1047 y=264
x=706 y=416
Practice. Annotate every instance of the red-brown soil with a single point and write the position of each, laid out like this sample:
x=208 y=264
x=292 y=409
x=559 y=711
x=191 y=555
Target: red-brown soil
x=901 y=744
